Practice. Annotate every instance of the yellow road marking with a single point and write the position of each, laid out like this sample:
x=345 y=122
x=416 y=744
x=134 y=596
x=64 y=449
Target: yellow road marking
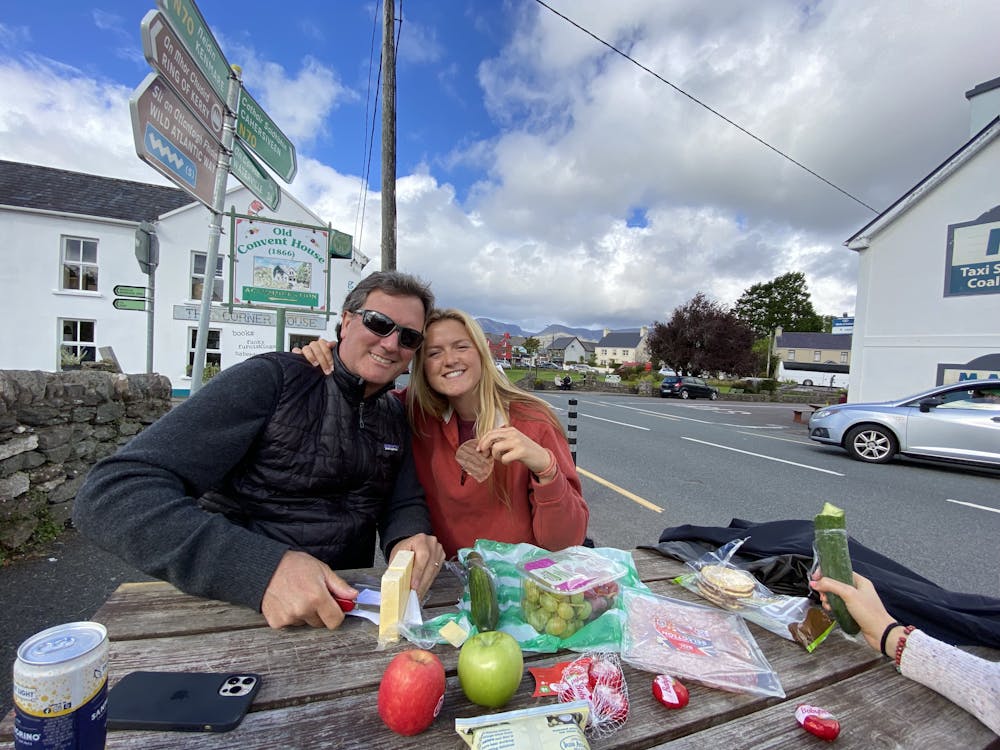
x=620 y=490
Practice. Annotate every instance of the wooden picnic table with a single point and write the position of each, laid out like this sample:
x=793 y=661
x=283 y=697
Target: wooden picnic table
x=320 y=687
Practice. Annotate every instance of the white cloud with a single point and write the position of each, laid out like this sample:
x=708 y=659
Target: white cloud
x=871 y=97
x=299 y=101
x=56 y=116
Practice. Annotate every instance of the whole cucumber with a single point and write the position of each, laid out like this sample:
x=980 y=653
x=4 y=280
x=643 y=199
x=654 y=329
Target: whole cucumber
x=830 y=529
x=483 y=606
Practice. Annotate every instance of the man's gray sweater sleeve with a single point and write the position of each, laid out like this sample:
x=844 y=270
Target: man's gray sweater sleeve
x=140 y=503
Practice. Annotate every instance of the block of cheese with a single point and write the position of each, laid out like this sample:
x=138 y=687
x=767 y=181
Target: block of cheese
x=454 y=633
x=395 y=595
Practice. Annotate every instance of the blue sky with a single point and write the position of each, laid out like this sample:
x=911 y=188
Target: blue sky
x=542 y=177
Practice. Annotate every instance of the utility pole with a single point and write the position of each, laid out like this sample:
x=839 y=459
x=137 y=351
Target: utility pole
x=388 y=138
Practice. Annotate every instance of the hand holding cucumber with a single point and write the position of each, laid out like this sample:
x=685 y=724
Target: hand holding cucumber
x=864 y=604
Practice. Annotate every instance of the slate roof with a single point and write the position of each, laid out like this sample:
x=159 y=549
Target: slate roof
x=814 y=340
x=49 y=189
x=560 y=343
x=621 y=340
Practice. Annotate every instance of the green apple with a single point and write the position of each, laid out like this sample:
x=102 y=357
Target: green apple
x=490 y=667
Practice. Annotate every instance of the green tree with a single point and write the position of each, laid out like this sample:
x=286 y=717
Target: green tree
x=531 y=345
x=784 y=301
x=703 y=337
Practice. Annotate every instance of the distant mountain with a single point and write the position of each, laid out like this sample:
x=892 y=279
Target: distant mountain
x=584 y=334
x=495 y=326
x=551 y=331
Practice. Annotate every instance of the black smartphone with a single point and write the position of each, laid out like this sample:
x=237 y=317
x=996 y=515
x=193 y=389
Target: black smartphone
x=182 y=701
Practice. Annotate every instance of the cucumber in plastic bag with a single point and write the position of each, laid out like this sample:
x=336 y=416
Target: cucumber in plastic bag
x=830 y=529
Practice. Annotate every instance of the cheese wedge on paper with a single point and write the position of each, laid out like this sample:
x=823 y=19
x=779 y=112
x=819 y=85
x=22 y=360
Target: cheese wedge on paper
x=395 y=595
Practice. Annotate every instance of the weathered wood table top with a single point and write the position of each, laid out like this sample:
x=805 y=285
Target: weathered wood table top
x=320 y=687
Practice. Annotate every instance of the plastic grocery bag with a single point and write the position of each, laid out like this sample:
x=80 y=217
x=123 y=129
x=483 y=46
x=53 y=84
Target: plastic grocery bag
x=507 y=562
x=716 y=579
x=705 y=644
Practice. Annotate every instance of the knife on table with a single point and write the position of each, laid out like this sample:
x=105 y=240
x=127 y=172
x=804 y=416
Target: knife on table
x=368 y=602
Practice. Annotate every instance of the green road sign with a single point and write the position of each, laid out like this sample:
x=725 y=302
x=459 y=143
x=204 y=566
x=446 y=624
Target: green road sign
x=256 y=179
x=260 y=133
x=185 y=18
x=130 y=304
x=340 y=244
x=130 y=291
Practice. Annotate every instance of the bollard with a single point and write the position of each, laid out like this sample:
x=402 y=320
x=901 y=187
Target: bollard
x=571 y=429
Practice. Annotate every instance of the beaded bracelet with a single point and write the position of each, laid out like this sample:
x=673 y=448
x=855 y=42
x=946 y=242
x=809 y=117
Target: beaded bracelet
x=885 y=635
x=550 y=471
x=901 y=645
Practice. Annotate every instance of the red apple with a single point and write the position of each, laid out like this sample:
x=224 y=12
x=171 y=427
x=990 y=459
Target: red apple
x=490 y=666
x=411 y=692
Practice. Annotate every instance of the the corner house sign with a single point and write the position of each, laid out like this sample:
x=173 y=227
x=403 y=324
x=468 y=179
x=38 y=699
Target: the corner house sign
x=986 y=367
x=973 y=259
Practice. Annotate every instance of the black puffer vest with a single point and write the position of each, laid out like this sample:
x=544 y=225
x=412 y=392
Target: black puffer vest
x=319 y=475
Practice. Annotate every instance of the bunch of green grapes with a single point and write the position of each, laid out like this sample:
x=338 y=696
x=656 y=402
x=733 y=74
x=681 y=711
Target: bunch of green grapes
x=561 y=615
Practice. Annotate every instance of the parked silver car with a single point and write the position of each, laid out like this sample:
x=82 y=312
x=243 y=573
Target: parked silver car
x=957 y=422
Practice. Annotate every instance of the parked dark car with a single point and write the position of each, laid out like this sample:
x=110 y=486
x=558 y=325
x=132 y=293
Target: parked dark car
x=682 y=386
x=548 y=366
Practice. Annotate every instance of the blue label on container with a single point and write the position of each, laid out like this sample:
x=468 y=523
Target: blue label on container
x=83 y=729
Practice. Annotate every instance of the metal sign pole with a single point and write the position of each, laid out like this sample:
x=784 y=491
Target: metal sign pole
x=149 y=320
x=215 y=228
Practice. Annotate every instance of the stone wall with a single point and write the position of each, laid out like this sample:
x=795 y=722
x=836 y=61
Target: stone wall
x=53 y=428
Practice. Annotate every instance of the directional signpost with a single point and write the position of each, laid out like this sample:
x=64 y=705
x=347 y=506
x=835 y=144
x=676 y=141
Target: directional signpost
x=255 y=177
x=260 y=133
x=130 y=304
x=186 y=20
x=165 y=52
x=133 y=298
x=130 y=291
x=184 y=122
x=170 y=139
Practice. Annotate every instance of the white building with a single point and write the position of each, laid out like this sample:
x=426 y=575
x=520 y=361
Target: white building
x=928 y=305
x=69 y=240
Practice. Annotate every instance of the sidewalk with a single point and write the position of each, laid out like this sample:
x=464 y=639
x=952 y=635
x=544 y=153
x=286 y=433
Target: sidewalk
x=67 y=581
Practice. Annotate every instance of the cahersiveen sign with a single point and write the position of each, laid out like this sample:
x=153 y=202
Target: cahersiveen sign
x=279 y=264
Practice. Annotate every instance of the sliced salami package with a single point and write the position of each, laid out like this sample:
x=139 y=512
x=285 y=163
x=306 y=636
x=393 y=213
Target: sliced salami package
x=694 y=642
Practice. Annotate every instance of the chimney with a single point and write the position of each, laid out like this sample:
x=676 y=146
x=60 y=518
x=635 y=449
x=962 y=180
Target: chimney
x=984 y=104
x=606 y=332
x=643 y=331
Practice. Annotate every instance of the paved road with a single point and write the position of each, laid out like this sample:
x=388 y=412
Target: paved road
x=701 y=462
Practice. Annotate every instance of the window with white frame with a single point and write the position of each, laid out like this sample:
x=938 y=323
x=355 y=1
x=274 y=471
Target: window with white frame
x=79 y=264
x=843 y=358
x=213 y=348
x=77 y=342
x=791 y=355
x=198 y=261
x=817 y=355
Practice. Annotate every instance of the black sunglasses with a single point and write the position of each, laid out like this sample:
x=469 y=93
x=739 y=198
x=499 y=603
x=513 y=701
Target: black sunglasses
x=382 y=325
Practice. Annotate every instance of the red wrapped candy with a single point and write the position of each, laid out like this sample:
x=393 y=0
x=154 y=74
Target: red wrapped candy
x=670 y=691
x=818 y=722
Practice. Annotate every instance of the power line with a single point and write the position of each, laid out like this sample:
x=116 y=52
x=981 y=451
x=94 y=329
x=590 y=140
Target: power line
x=359 y=225
x=700 y=103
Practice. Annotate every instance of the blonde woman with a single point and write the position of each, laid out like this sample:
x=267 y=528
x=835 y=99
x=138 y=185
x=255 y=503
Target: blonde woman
x=457 y=396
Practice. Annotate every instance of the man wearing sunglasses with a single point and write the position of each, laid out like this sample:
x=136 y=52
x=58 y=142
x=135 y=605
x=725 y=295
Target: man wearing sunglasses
x=273 y=476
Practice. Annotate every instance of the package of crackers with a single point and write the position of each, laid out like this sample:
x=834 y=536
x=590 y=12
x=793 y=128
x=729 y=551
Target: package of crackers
x=694 y=641
x=716 y=579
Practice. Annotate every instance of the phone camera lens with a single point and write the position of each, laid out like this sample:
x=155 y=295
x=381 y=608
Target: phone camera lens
x=235 y=690
x=248 y=680
x=233 y=680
